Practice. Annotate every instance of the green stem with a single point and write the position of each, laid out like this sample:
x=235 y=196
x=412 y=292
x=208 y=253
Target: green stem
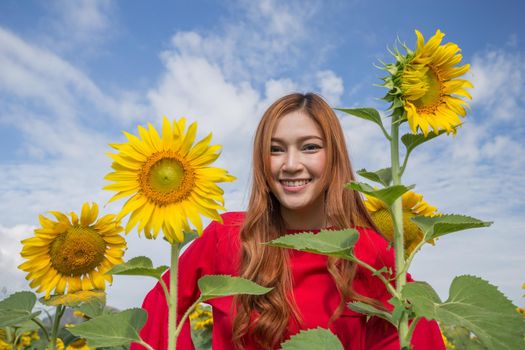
x=379 y=275
x=56 y=323
x=166 y=290
x=185 y=316
x=408 y=261
x=397 y=218
x=402 y=170
x=389 y=138
x=146 y=345
x=42 y=327
x=172 y=317
x=412 y=327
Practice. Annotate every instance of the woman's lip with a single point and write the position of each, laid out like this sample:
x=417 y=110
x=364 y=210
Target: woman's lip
x=293 y=189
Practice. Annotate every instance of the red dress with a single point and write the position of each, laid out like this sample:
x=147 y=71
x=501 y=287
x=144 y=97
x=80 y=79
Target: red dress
x=217 y=252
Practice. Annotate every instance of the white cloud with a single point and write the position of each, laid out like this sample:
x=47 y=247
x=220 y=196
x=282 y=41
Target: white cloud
x=499 y=84
x=331 y=86
x=82 y=23
x=10 y=248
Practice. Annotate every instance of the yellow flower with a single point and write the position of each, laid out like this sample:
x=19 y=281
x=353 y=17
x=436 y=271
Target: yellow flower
x=201 y=317
x=413 y=204
x=79 y=314
x=169 y=180
x=71 y=255
x=426 y=81
x=79 y=344
x=59 y=345
x=448 y=344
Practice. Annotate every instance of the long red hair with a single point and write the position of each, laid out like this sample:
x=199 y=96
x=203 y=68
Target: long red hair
x=265 y=318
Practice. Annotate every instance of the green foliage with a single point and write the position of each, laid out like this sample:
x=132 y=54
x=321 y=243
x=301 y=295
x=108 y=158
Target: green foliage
x=17 y=308
x=338 y=243
x=382 y=176
x=437 y=226
x=460 y=338
x=369 y=310
x=387 y=194
x=116 y=329
x=92 y=308
x=201 y=339
x=313 y=339
x=370 y=114
x=214 y=286
x=411 y=141
x=474 y=304
x=138 y=266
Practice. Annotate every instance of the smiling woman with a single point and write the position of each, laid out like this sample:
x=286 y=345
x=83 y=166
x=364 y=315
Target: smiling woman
x=300 y=166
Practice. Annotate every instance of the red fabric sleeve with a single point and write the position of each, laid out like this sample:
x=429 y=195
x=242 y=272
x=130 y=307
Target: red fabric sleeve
x=380 y=334
x=196 y=261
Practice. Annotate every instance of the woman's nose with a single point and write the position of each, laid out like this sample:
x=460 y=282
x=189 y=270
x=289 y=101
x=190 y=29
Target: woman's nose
x=292 y=161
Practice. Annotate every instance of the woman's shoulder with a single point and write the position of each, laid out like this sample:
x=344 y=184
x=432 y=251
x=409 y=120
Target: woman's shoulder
x=229 y=226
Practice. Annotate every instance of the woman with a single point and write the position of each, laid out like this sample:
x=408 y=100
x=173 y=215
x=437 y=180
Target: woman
x=300 y=166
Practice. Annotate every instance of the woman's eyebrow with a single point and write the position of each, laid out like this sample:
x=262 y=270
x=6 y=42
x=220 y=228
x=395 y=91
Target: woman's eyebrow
x=300 y=139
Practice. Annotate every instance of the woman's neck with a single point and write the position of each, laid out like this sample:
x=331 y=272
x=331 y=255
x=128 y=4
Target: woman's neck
x=304 y=219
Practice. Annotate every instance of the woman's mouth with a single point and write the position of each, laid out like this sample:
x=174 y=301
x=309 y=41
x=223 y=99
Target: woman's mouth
x=294 y=185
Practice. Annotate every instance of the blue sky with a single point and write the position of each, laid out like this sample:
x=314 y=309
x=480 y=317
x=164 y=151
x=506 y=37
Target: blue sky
x=73 y=75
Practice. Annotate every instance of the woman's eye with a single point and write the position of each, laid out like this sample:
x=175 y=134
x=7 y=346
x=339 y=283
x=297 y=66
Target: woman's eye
x=275 y=149
x=311 y=147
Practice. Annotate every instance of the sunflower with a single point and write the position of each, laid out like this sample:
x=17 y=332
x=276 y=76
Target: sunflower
x=427 y=85
x=79 y=344
x=169 y=180
x=413 y=204
x=72 y=255
x=201 y=317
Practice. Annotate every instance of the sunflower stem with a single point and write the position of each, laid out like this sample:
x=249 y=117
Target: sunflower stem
x=146 y=345
x=56 y=323
x=402 y=170
x=379 y=275
x=172 y=318
x=42 y=327
x=397 y=218
x=408 y=261
x=186 y=315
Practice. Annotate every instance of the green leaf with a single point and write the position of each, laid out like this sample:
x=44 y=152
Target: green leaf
x=411 y=141
x=475 y=304
x=115 y=329
x=437 y=226
x=19 y=301
x=333 y=243
x=214 y=286
x=17 y=308
x=399 y=310
x=313 y=339
x=387 y=194
x=367 y=309
x=382 y=176
x=138 y=266
x=364 y=113
x=92 y=308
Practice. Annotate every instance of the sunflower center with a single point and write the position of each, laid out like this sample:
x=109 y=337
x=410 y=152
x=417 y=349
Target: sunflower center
x=422 y=86
x=77 y=251
x=166 y=178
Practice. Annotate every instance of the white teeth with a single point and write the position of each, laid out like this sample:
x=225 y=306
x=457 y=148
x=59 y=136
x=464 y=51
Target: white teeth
x=294 y=183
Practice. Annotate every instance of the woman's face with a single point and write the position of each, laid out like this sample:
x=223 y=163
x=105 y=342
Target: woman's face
x=298 y=159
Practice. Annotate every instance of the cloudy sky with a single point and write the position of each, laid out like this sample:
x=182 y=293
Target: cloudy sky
x=75 y=74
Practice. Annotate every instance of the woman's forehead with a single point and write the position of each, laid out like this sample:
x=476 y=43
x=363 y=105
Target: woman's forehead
x=297 y=125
